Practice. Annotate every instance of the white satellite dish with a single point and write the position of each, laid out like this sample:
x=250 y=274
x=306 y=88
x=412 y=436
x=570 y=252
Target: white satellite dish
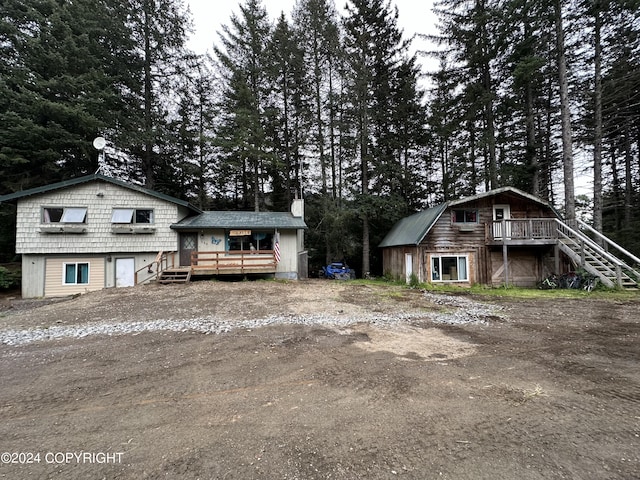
x=99 y=143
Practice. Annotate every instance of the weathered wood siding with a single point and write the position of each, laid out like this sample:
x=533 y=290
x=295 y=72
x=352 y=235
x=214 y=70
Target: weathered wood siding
x=449 y=238
x=98 y=236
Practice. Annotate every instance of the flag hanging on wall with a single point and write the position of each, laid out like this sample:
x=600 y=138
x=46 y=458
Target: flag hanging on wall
x=276 y=248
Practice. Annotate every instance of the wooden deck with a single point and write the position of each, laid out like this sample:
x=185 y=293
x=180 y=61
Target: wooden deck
x=233 y=262
x=529 y=231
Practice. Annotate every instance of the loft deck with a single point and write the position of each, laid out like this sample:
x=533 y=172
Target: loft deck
x=528 y=231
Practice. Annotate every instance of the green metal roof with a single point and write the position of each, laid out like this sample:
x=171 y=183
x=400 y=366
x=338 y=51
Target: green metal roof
x=95 y=178
x=412 y=229
x=249 y=220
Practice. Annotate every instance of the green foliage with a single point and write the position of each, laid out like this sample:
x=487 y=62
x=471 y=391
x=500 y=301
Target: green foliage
x=9 y=278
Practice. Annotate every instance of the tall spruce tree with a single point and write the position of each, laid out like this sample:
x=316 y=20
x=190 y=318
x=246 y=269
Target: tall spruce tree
x=61 y=81
x=242 y=58
x=375 y=51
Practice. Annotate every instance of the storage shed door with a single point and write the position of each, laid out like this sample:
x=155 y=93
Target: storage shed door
x=125 y=272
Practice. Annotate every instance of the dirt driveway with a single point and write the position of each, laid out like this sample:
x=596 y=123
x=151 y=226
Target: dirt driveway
x=318 y=380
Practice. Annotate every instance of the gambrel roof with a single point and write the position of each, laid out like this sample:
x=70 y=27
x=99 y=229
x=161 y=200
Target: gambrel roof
x=413 y=229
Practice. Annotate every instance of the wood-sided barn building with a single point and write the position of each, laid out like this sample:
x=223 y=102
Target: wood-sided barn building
x=501 y=236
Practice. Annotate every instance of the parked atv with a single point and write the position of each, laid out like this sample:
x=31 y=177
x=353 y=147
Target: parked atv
x=338 y=271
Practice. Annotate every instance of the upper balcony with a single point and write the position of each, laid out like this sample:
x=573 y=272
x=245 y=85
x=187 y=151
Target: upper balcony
x=526 y=231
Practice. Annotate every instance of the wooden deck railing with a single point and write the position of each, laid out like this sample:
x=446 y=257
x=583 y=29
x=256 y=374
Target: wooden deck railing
x=524 y=229
x=233 y=261
x=151 y=271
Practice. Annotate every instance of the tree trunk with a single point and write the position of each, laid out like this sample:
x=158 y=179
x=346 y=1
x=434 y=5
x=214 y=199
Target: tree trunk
x=147 y=160
x=597 y=132
x=565 y=117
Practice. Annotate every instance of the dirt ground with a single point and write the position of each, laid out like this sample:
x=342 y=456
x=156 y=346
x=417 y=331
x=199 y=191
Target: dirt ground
x=544 y=389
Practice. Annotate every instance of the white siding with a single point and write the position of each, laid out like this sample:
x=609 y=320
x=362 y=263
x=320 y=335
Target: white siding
x=100 y=198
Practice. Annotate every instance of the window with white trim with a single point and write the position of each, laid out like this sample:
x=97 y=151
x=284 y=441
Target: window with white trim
x=449 y=268
x=64 y=215
x=132 y=215
x=76 y=273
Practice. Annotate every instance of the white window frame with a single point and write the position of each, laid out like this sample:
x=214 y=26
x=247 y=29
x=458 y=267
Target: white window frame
x=68 y=215
x=75 y=264
x=129 y=216
x=440 y=257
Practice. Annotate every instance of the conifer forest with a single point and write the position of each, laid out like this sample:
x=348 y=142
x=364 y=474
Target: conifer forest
x=330 y=104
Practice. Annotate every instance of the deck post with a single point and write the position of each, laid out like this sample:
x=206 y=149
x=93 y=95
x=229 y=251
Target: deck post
x=556 y=252
x=505 y=261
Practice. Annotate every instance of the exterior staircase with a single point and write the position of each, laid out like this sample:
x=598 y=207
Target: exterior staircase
x=596 y=255
x=174 y=275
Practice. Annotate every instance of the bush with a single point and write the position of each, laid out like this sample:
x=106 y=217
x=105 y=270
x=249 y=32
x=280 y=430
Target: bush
x=9 y=279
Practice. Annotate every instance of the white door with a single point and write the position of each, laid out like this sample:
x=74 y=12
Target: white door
x=501 y=212
x=125 y=272
x=408 y=266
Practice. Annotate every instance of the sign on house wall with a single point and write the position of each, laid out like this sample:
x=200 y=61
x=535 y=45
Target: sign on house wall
x=239 y=233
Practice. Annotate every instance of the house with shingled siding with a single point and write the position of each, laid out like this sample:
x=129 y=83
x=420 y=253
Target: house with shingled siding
x=97 y=232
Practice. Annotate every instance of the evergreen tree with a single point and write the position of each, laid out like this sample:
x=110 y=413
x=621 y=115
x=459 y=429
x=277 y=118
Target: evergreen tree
x=242 y=58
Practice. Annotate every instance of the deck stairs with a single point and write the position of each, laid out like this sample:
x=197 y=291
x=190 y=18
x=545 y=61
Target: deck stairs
x=174 y=275
x=593 y=251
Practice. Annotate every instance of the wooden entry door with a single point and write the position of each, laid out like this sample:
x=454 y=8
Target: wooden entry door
x=188 y=244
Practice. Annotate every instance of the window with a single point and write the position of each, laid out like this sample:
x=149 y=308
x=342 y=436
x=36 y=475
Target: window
x=76 y=273
x=465 y=216
x=64 y=215
x=449 y=268
x=132 y=215
x=256 y=241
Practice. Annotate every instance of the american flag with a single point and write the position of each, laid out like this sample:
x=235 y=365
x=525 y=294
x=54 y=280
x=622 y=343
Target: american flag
x=276 y=248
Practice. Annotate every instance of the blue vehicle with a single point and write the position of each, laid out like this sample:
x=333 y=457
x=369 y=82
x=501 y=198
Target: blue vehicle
x=338 y=271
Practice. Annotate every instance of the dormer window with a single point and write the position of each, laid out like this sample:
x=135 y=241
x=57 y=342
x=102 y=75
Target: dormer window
x=64 y=215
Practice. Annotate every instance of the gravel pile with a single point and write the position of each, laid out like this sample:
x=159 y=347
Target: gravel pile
x=462 y=311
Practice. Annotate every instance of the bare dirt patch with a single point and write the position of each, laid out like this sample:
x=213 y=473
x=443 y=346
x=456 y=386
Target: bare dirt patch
x=542 y=389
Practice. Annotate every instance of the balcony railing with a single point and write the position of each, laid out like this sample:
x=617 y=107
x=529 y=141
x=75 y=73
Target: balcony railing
x=523 y=229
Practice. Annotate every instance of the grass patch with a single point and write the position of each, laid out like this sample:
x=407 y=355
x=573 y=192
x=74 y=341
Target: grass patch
x=512 y=292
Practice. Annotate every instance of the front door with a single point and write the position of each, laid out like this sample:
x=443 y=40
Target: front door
x=501 y=212
x=125 y=272
x=188 y=244
x=408 y=266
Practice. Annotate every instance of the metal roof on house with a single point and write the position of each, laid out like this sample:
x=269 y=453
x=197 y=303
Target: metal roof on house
x=412 y=229
x=498 y=191
x=249 y=220
x=95 y=178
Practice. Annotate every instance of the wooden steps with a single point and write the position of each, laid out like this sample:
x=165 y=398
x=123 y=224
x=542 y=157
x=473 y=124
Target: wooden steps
x=175 y=275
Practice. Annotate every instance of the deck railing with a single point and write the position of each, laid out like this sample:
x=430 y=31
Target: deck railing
x=524 y=229
x=234 y=260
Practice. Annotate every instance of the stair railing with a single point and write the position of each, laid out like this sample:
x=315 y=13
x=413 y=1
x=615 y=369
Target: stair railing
x=613 y=245
x=582 y=241
x=162 y=261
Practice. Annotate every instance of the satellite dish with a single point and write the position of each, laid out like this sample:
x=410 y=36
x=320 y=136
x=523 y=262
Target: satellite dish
x=99 y=143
